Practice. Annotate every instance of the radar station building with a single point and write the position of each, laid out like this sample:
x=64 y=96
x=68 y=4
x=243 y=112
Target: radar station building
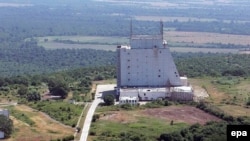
x=146 y=71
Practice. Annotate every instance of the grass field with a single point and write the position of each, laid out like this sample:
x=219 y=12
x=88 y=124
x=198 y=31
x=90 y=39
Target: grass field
x=229 y=98
x=173 y=37
x=149 y=123
x=180 y=19
x=204 y=50
x=127 y=122
x=44 y=127
x=204 y=37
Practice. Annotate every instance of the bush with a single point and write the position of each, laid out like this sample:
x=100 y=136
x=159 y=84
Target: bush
x=92 y=133
x=109 y=99
x=127 y=106
x=95 y=117
x=248 y=102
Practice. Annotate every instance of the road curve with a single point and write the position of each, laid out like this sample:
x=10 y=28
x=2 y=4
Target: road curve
x=95 y=103
x=87 y=122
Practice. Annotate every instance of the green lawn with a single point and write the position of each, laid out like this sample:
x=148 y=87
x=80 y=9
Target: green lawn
x=133 y=126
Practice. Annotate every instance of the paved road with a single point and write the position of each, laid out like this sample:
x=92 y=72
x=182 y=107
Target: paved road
x=87 y=122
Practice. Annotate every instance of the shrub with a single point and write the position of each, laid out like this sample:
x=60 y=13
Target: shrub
x=127 y=106
x=95 y=117
x=109 y=99
x=248 y=102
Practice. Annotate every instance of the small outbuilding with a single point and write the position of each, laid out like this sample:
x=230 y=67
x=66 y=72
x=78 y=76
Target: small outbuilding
x=1 y=135
x=128 y=100
x=4 y=112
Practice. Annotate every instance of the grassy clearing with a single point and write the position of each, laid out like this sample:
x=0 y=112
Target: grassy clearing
x=93 y=42
x=204 y=50
x=21 y=116
x=228 y=94
x=54 y=45
x=60 y=111
x=180 y=19
x=133 y=123
x=44 y=128
x=205 y=37
x=184 y=41
x=171 y=19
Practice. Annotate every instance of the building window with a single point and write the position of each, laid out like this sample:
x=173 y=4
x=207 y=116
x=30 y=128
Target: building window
x=128 y=60
x=159 y=75
x=128 y=66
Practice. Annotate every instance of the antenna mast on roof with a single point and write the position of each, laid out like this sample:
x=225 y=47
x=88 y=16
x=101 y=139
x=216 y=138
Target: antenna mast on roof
x=161 y=24
x=131 y=30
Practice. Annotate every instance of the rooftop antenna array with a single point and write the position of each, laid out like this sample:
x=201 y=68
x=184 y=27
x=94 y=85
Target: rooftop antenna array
x=161 y=24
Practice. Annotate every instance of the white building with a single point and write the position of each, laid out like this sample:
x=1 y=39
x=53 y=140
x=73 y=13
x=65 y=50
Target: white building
x=146 y=63
x=1 y=135
x=133 y=100
x=4 y=112
x=146 y=69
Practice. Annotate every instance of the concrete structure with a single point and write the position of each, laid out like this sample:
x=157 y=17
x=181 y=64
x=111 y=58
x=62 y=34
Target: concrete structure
x=4 y=112
x=133 y=100
x=146 y=69
x=185 y=93
x=146 y=63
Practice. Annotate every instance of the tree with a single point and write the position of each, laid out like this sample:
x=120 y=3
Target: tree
x=59 y=91
x=23 y=90
x=58 y=88
x=6 y=125
x=109 y=99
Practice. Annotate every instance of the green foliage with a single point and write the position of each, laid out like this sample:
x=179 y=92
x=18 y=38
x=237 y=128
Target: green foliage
x=248 y=102
x=109 y=99
x=68 y=138
x=33 y=96
x=6 y=125
x=144 y=129
x=21 y=116
x=196 y=132
x=209 y=108
x=127 y=106
x=213 y=65
x=158 y=104
x=95 y=117
x=22 y=91
x=60 y=111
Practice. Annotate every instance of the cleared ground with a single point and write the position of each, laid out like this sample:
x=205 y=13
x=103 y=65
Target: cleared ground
x=231 y=100
x=173 y=37
x=187 y=114
x=44 y=129
x=204 y=37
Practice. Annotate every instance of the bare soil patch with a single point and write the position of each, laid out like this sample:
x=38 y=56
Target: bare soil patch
x=187 y=114
x=118 y=116
x=205 y=37
x=45 y=128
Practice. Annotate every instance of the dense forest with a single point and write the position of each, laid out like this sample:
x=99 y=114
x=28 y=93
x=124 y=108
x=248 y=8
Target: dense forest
x=34 y=19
